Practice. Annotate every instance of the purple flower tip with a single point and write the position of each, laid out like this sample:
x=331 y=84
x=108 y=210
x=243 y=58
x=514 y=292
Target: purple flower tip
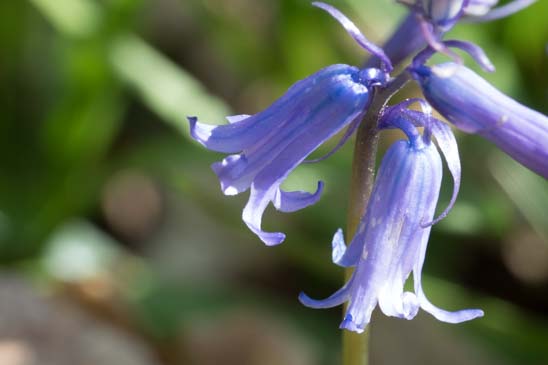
x=355 y=33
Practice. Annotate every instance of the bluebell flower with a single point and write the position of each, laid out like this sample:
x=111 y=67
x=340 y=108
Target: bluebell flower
x=392 y=236
x=475 y=106
x=429 y=20
x=264 y=148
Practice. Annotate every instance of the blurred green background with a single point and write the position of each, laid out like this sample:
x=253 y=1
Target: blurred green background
x=117 y=246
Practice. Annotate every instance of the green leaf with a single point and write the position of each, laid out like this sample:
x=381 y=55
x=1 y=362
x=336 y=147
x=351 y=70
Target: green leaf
x=74 y=18
x=166 y=89
x=525 y=188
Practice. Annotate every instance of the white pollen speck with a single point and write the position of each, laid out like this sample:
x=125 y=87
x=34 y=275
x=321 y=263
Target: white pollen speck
x=375 y=222
x=365 y=253
x=231 y=190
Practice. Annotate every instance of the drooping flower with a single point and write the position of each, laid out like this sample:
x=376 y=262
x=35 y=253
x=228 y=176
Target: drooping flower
x=392 y=236
x=267 y=146
x=475 y=106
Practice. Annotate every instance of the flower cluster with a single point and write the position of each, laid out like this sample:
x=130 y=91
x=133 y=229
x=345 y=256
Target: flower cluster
x=393 y=233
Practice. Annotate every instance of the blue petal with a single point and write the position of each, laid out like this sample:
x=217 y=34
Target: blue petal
x=475 y=106
x=395 y=117
x=501 y=11
x=349 y=132
x=405 y=41
x=418 y=193
x=449 y=148
x=339 y=297
x=227 y=138
x=349 y=323
x=252 y=214
x=447 y=316
x=441 y=314
x=339 y=249
x=472 y=49
x=237 y=118
x=355 y=33
x=228 y=171
x=447 y=143
x=296 y=200
x=243 y=133
x=385 y=194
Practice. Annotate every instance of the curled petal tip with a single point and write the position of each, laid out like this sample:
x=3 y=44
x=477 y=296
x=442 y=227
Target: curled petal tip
x=349 y=324
x=355 y=33
x=458 y=316
x=296 y=200
x=192 y=123
x=410 y=305
x=272 y=238
x=475 y=51
x=200 y=132
x=337 y=298
x=312 y=303
x=306 y=300
x=437 y=220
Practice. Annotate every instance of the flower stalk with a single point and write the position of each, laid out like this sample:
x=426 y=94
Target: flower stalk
x=355 y=346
